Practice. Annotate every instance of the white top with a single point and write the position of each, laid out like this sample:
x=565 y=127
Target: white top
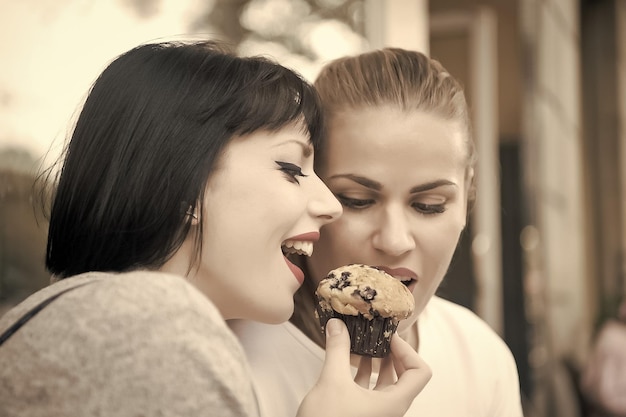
x=123 y=345
x=474 y=373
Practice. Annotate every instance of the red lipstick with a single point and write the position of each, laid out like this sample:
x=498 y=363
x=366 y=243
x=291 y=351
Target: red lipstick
x=402 y=274
x=309 y=237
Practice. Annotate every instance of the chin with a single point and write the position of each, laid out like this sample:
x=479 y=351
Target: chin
x=275 y=315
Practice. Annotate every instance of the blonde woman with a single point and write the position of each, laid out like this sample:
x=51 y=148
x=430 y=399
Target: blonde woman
x=399 y=156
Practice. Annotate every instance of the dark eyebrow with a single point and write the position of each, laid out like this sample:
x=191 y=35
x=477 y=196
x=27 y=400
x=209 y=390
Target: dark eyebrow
x=431 y=185
x=366 y=182
x=375 y=185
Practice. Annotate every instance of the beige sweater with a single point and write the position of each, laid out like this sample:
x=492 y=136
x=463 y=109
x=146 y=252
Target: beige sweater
x=133 y=344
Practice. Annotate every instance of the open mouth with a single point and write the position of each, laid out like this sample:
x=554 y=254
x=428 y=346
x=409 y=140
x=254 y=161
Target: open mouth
x=297 y=247
x=407 y=281
x=410 y=283
x=404 y=275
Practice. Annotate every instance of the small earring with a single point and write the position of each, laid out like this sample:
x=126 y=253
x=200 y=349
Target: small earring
x=192 y=215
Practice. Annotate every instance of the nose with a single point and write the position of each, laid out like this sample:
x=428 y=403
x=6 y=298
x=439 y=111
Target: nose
x=323 y=205
x=393 y=233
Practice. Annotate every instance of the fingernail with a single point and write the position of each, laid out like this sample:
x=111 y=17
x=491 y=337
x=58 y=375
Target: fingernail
x=333 y=327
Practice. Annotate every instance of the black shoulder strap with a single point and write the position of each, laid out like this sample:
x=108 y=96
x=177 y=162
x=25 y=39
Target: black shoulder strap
x=15 y=327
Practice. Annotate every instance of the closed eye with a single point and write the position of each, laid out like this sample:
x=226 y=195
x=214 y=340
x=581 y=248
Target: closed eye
x=291 y=170
x=428 y=209
x=355 y=203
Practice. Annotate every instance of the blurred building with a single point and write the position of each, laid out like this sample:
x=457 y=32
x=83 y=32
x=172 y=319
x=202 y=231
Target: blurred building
x=22 y=232
x=546 y=80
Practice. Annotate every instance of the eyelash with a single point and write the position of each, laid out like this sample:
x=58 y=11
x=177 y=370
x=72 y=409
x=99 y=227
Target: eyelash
x=354 y=203
x=291 y=170
x=429 y=209
x=362 y=204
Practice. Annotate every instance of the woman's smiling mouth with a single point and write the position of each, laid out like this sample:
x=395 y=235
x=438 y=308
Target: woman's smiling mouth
x=299 y=245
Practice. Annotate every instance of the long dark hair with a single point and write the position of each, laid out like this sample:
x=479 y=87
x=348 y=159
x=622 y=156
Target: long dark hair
x=146 y=142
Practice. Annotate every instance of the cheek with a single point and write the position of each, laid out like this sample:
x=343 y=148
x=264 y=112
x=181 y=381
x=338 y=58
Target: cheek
x=440 y=249
x=338 y=244
x=345 y=235
x=438 y=237
x=437 y=246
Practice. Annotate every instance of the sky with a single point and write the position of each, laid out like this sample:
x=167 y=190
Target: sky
x=53 y=50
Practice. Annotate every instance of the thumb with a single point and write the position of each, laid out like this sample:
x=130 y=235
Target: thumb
x=337 y=360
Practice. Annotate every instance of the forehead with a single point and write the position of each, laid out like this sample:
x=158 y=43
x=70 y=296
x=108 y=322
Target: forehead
x=388 y=135
x=292 y=136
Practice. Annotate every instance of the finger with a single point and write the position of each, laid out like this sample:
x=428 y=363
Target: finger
x=398 y=366
x=399 y=345
x=404 y=356
x=416 y=372
x=337 y=359
x=386 y=373
x=364 y=373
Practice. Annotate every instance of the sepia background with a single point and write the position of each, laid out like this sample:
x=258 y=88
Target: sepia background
x=543 y=257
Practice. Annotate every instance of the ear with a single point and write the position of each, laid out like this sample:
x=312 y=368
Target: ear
x=469 y=180
x=193 y=214
x=470 y=193
x=470 y=189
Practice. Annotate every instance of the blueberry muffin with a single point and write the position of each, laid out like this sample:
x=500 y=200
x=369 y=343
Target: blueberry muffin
x=370 y=302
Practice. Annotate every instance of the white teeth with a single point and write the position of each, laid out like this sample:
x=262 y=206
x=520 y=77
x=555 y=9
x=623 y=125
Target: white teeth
x=298 y=247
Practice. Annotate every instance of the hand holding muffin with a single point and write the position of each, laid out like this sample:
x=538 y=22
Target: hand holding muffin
x=337 y=395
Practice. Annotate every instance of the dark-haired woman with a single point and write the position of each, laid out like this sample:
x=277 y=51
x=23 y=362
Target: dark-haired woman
x=184 y=158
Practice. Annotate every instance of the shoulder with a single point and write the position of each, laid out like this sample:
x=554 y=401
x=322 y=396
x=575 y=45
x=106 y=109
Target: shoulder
x=115 y=292
x=464 y=326
x=47 y=293
x=455 y=314
x=463 y=347
x=131 y=308
x=120 y=328
x=150 y=290
x=442 y=306
x=142 y=305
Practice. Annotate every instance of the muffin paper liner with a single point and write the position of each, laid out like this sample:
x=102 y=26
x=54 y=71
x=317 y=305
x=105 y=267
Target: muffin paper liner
x=367 y=337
